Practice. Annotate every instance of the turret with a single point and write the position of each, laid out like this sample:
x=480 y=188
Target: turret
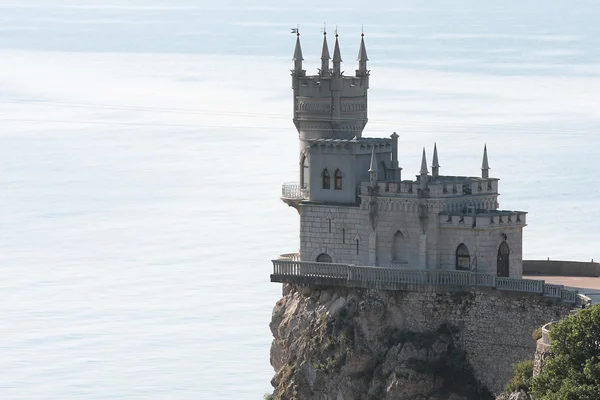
x=328 y=105
x=485 y=166
x=325 y=57
x=337 y=57
x=362 y=58
x=435 y=167
x=298 y=56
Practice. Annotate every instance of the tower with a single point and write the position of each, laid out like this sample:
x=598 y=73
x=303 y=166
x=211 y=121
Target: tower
x=329 y=105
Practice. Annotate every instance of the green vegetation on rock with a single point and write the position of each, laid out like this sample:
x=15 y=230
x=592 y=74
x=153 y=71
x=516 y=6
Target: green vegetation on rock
x=573 y=373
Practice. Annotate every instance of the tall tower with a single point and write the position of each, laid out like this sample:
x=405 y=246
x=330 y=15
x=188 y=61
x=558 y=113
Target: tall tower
x=329 y=105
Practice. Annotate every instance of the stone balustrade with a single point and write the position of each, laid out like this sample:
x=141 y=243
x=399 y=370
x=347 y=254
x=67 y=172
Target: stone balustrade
x=288 y=269
x=292 y=190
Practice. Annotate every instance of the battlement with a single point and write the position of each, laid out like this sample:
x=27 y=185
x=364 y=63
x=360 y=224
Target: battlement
x=363 y=146
x=482 y=219
x=441 y=187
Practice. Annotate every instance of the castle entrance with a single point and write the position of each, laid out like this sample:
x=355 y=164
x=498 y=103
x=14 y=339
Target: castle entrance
x=503 y=253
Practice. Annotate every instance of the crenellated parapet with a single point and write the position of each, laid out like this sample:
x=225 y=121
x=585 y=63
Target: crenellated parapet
x=483 y=219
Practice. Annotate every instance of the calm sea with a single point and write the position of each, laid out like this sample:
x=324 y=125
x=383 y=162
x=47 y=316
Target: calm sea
x=143 y=144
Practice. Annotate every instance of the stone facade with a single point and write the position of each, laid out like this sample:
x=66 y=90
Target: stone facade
x=354 y=205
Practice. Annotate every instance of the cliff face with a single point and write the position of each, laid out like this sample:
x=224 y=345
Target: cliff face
x=343 y=343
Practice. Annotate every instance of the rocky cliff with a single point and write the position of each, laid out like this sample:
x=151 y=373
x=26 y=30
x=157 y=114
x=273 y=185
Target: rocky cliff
x=344 y=343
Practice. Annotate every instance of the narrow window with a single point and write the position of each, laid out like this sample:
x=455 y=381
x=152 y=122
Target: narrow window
x=305 y=173
x=463 y=259
x=356 y=246
x=329 y=225
x=326 y=184
x=343 y=236
x=338 y=179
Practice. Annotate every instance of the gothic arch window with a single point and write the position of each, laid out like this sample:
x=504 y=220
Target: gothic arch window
x=503 y=253
x=324 y=258
x=326 y=179
x=304 y=175
x=399 y=248
x=463 y=259
x=357 y=246
x=338 y=179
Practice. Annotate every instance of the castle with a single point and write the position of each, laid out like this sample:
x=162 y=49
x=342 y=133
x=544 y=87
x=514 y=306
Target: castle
x=356 y=209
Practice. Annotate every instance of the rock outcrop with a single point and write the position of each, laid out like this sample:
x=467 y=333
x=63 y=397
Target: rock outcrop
x=343 y=343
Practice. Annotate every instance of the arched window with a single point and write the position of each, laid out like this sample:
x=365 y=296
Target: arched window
x=463 y=260
x=503 y=253
x=304 y=176
x=399 y=248
x=338 y=179
x=326 y=183
x=357 y=246
x=324 y=258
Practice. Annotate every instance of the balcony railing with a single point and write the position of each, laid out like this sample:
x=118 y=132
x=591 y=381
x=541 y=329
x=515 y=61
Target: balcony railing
x=292 y=190
x=289 y=266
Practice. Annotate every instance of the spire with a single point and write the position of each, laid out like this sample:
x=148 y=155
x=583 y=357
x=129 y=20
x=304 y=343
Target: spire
x=337 y=57
x=435 y=167
x=325 y=56
x=362 y=57
x=485 y=166
x=362 y=52
x=373 y=167
x=297 y=58
x=298 y=50
x=424 y=164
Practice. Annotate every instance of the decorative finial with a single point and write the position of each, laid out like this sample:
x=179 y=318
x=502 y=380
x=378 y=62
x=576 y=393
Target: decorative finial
x=336 y=31
x=362 y=30
x=324 y=28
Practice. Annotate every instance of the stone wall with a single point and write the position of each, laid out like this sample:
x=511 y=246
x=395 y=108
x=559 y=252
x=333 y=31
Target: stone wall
x=561 y=268
x=493 y=328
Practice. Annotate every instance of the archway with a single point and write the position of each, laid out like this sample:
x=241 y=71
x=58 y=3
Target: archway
x=503 y=253
x=324 y=258
x=463 y=258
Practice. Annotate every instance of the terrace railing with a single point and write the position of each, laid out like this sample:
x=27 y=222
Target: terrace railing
x=289 y=266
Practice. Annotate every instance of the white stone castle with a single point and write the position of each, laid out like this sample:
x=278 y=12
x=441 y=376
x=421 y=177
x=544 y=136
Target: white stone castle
x=354 y=206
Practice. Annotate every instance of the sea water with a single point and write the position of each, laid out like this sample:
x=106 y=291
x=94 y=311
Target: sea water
x=143 y=145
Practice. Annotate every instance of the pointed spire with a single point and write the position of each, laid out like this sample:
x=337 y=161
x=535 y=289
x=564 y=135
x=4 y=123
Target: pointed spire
x=325 y=56
x=435 y=167
x=337 y=57
x=298 y=50
x=362 y=52
x=424 y=163
x=362 y=57
x=485 y=166
x=373 y=167
x=325 y=51
x=298 y=55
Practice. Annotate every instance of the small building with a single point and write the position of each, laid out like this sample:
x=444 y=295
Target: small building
x=356 y=208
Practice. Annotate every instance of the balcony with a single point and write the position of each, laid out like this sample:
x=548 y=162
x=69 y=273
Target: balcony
x=292 y=194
